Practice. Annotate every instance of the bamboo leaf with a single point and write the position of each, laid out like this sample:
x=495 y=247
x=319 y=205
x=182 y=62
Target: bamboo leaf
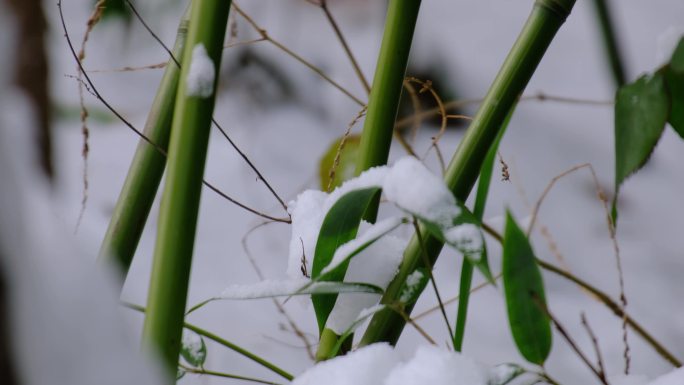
x=674 y=76
x=193 y=349
x=340 y=225
x=346 y=165
x=478 y=211
x=641 y=111
x=524 y=291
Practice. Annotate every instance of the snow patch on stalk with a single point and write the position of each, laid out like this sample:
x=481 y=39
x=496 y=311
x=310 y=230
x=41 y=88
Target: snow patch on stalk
x=201 y=75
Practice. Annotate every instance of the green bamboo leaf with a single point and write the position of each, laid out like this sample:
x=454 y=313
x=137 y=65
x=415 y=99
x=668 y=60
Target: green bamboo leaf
x=193 y=349
x=346 y=165
x=641 y=111
x=674 y=76
x=274 y=289
x=525 y=300
x=340 y=226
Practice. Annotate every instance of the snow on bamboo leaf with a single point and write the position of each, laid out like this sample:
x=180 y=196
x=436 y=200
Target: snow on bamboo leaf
x=524 y=291
x=202 y=73
x=193 y=349
x=412 y=187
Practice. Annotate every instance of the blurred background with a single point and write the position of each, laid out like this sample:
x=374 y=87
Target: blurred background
x=285 y=117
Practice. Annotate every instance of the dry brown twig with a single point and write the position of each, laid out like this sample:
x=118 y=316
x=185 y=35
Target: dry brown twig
x=611 y=230
x=94 y=18
x=340 y=148
x=279 y=307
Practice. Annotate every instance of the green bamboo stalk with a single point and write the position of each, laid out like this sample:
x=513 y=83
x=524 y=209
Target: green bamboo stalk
x=146 y=170
x=546 y=18
x=478 y=210
x=610 y=43
x=180 y=201
x=383 y=103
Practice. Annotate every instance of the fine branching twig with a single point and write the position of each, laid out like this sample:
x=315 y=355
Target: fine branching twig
x=568 y=338
x=213 y=120
x=94 y=18
x=281 y=309
x=266 y=37
x=428 y=267
x=594 y=342
x=340 y=148
x=338 y=32
x=138 y=132
x=611 y=231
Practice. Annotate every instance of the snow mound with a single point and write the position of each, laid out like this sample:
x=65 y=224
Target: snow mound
x=381 y=364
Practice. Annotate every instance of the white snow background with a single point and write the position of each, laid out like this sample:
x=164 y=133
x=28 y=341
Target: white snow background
x=285 y=140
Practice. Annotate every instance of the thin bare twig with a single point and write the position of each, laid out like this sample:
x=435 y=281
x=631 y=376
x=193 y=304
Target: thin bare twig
x=454 y=299
x=573 y=345
x=223 y=132
x=594 y=341
x=538 y=97
x=264 y=34
x=611 y=230
x=338 y=155
x=410 y=321
x=293 y=325
x=338 y=32
x=428 y=266
x=138 y=132
x=94 y=18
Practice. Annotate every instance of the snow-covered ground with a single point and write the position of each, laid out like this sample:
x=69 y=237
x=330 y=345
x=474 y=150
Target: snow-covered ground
x=285 y=139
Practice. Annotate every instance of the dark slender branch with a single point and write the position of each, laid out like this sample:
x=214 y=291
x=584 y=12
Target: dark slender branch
x=432 y=277
x=594 y=341
x=345 y=46
x=213 y=120
x=138 y=132
x=600 y=375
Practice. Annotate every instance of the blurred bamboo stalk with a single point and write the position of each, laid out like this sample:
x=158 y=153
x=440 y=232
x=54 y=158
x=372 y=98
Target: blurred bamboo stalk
x=146 y=170
x=610 y=43
x=545 y=20
x=188 y=144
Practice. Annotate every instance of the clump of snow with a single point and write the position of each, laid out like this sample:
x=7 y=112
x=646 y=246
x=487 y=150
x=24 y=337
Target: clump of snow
x=435 y=366
x=374 y=232
x=675 y=377
x=412 y=283
x=307 y=217
x=192 y=343
x=377 y=265
x=264 y=289
x=379 y=364
x=366 y=366
x=631 y=379
x=373 y=177
x=412 y=187
x=466 y=237
x=201 y=75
